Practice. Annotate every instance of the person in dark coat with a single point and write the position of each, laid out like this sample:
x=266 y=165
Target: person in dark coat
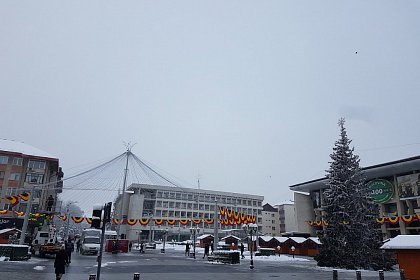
x=187 y=249
x=242 y=250
x=142 y=247
x=69 y=248
x=206 y=250
x=60 y=264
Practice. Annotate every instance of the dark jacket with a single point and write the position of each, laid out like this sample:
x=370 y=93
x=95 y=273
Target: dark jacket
x=60 y=262
x=69 y=247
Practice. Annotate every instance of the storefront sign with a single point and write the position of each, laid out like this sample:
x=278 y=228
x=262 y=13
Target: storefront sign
x=381 y=190
x=409 y=186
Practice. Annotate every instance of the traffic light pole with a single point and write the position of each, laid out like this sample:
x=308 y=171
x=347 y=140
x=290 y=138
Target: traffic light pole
x=98 y=271
x=106 y=219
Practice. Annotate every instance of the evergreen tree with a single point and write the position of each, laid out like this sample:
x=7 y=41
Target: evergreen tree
x=351 y=238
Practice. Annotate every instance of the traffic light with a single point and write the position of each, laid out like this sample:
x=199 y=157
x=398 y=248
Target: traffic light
x=107 y=212
x=97 y=216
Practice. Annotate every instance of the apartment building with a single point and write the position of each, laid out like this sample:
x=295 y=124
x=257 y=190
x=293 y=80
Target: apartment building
x=270 y=220
x=287 y=218
x=21 y=167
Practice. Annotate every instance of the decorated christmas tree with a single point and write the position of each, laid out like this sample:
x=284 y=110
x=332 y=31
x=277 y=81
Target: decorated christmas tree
x=351 y=238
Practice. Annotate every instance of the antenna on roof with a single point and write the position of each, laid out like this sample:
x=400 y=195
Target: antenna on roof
x=198 y=181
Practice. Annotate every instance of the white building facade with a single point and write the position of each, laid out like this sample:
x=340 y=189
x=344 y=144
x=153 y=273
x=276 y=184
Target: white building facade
x=175 y=203
x=270 y=220
x=287 y=218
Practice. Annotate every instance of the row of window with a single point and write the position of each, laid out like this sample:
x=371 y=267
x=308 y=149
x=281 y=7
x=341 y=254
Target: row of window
x=189 y=214
x=207 y=198
x=32 y=164
x=16 y=191
x=196 y=206
x=30 y=177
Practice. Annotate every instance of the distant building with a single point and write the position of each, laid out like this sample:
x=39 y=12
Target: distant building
x=394 y=186
x=21 y=167
x=287 y=218
x=164 y=202
x=270 y=220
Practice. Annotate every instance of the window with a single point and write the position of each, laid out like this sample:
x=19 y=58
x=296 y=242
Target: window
x=22 y=207
x=8 y=207
x=17 y=161
x=34 y=178
x=4 y=159
x=11 y=191
x=1 y=175
x=14 y=177
x=36 y=164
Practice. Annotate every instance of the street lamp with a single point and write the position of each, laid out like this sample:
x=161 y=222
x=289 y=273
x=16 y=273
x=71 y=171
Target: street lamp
x=68 y=219
x=150 y=231
x=164 y=233
x=250 y=229
x=194 y=231
x=138 y=239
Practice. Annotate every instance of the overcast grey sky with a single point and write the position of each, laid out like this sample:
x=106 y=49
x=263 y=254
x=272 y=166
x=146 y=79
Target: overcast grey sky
x=247 y=94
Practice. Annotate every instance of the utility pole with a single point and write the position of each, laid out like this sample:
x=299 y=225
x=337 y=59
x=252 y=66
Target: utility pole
x=120 y=219
x=216 y=226
x=26 y=219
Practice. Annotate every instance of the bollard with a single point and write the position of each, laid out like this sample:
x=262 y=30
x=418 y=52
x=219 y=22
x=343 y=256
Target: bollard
x=92 y=276
x=358 y=275
x=335 y=274
x=136 y=276
x=381 y=275
x=402 y=274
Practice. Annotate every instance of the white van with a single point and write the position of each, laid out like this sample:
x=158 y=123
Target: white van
x=90 y=245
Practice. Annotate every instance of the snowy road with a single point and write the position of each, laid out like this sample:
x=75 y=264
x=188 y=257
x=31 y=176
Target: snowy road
x=174 y=265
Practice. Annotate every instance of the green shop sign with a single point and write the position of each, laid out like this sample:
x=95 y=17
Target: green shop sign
x=381 y=190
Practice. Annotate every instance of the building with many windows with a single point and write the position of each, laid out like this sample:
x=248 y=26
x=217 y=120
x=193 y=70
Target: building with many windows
x=394 y=186
x=270 y=221
x=287 y=218
x=21 y=167
x=164 y=202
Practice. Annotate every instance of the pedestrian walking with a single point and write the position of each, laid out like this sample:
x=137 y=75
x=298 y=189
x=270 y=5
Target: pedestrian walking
x=206 y=250
x=211 y=247
x=130 y=245
x=242 y=250
x=141 y=247
x=78 y=244
x=187 y=249
x=60 y=264
x=69 y=248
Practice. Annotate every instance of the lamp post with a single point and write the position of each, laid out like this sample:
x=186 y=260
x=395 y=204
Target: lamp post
x=150 y=231
x=68 y=219
x=164 y=233
x=194 y=231
x=250 y=229
x=138 y=239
